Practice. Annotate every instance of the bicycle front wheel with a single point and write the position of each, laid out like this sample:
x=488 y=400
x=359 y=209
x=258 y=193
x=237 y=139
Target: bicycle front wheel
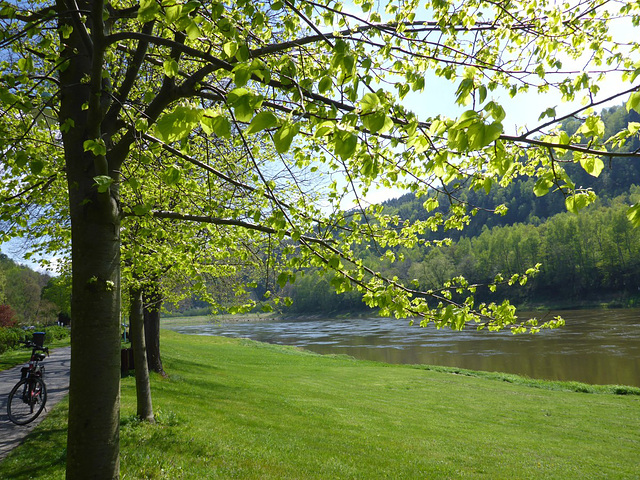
x=26 y=400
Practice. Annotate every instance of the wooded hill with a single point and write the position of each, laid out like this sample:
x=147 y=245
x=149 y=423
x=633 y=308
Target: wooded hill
x=28 y=297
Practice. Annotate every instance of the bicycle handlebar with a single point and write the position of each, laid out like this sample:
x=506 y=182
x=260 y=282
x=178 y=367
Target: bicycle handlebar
x=30 y=344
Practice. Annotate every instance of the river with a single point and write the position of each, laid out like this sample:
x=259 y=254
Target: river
x=595 y=346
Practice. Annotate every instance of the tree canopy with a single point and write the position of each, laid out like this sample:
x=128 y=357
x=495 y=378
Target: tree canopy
x=210 y=113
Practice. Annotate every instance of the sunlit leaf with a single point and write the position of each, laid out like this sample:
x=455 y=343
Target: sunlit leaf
x=262 y=121
x=633 y=214
x=178 y=124
x=284 y=136
x=592 y=165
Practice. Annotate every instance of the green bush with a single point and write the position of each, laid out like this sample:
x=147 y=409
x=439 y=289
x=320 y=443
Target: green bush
x=10 y=337
x=55 y=332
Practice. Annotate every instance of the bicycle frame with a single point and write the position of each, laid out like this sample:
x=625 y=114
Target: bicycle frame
x=28 y=397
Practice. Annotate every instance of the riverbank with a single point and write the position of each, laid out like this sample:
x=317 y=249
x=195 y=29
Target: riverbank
x=186 y=320
x=240 y=409
x=604 y=302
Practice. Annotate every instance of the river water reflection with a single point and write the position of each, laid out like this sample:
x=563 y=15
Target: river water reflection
x=596 y=346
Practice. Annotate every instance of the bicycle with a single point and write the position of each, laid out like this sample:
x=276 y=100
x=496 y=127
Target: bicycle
x=29 y=396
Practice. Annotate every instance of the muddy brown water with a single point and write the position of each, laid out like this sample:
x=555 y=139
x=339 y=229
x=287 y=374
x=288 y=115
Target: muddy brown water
x=595 y=346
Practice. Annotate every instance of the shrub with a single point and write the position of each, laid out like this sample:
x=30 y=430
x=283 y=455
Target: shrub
x=55 y=332
x=10 y=337
x=7 y=316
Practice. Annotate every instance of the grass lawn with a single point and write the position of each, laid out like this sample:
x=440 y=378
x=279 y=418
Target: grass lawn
x=241 y=409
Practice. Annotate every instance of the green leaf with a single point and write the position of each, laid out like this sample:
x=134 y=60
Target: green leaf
x=215 y=123
x=171 y=175
x=25 y=64
x=370 y=102
x=334 y=262
x=431 y=204
x=345 y=143
x=282 y=279
x=633 y=214
x=261 y=121
x=36 y=166
x=592 y=127
x=467 y=119
x=374 y=122
x=463 y=93
x=230 y=49
x=284 y=136
x=481 y=135
x=495 y=110
x=142 y=125
x=549 y=112
x=97 y=147
x=173 y=12
x=634 y=102
x=242 y=74
x=324 y=84
x=325 y=128
x=542 y=186
x=577 y=202
x=170 y=68
x=141 y=209
x=147 y=10
x=177 y=125
x=482 y=93
x=244 y=103
x=22 y=158
x=103 y=182
x=243 y=53
x=193 y=31
x=592 y=165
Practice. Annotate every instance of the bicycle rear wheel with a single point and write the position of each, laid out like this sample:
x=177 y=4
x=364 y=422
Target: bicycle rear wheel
x=26 y=400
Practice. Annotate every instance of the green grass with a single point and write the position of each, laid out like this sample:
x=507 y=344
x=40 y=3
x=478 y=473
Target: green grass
x=241 y=409
x=20 y=355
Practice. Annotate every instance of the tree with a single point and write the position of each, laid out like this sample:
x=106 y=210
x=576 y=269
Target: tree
x=7 y=316
x=324 y=85
x=143 y=388
x=58 y=292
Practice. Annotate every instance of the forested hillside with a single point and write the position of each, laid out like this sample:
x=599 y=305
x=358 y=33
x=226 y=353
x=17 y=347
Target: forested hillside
x=28 y=297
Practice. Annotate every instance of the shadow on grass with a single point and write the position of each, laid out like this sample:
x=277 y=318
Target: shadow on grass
x=40 y=456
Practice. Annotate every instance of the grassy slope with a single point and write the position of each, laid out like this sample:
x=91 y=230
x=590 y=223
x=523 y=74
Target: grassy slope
x=240 y=409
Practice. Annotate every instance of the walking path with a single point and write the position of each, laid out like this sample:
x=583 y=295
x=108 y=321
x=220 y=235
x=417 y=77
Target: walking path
x=56 y=378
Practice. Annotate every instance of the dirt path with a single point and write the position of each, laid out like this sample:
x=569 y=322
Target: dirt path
x=57 y=381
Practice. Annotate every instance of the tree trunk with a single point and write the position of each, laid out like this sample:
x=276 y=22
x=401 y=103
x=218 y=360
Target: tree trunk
x=136 y=329
x=152 y=304
x=94 y=390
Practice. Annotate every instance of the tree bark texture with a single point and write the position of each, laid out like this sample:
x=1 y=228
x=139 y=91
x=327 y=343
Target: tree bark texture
x=94 y=391
x=143 y=387
x=152 y=304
